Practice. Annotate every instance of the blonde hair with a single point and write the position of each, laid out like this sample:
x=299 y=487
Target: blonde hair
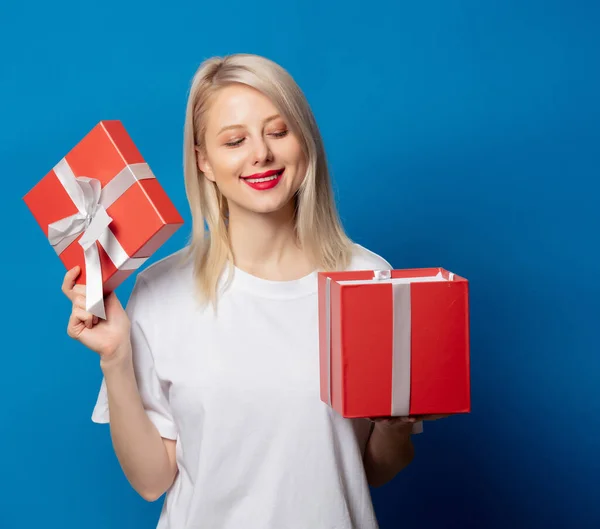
x=318 y=227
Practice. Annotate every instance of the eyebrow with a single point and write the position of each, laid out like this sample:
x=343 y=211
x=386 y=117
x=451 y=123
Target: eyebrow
x=228 y=127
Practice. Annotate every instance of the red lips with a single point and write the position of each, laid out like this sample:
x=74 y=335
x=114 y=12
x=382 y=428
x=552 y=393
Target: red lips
x=265 y=174
x=274 y=177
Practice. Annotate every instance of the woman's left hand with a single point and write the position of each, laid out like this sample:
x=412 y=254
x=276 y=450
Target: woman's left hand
x=401 y=424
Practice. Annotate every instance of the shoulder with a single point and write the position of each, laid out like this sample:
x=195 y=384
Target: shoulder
x=159 y=283
x=365 y=259
x=167 y=272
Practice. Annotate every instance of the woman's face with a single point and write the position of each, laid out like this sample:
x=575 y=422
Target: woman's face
x=253 y=157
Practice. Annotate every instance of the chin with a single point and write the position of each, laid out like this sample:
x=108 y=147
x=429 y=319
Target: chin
x=267 y=206
x=263 y=202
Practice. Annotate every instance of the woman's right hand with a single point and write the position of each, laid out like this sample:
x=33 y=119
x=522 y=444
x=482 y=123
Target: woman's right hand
x=110 y=337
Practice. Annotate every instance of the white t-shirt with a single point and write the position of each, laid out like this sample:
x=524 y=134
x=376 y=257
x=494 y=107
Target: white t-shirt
x=239 y=390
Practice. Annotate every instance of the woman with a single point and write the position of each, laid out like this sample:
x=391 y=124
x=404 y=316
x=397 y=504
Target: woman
x=210 y=377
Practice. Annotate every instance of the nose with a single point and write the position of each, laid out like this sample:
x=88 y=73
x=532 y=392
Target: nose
x=262 y=153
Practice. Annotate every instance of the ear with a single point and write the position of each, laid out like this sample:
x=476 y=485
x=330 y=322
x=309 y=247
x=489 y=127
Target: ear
x=203 y=165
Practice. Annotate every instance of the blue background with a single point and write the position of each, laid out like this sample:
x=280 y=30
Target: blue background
x=460 y=134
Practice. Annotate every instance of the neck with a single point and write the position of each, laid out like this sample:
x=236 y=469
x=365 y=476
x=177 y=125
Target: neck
x=265 y=244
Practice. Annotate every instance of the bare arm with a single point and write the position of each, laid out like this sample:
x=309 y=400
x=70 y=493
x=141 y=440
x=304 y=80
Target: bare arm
x=389 y=450
x=147 y=459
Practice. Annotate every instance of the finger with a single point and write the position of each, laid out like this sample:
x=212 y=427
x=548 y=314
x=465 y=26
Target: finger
x=394 y=422
x=79 y=301
x=75 y=323
x=393 y=419
x=82 y=316
x=431 y=417
x=69 y=281
x=79 y=289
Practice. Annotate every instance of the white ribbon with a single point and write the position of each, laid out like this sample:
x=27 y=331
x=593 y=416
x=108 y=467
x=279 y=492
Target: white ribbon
x=401 y=350
x=93 y=222
x=401 y=353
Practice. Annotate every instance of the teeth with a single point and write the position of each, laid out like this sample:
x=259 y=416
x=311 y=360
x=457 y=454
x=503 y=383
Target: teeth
x=267 y=179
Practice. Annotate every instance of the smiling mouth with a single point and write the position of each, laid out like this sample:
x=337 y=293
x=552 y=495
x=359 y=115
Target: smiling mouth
x=264 y=177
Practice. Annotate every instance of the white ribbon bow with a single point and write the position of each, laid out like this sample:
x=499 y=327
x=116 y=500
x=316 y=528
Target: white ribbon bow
x=93 y=221
x=90 y=218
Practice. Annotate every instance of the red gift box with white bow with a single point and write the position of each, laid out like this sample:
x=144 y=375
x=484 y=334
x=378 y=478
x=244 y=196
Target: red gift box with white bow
x=394 y=342
x=102 y=208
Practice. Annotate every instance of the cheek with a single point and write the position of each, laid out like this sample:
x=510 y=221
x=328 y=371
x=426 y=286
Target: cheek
x=300 y=161
x=292 y=154
x=229 y=163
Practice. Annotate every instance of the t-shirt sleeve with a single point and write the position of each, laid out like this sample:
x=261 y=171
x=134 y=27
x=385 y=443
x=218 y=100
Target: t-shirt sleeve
x=151 y=389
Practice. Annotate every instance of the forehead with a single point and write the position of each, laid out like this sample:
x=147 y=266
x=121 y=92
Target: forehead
x=239 y=104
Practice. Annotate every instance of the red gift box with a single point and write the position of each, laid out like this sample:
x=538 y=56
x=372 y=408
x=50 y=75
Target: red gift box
x=102 y=208
x=394 y=343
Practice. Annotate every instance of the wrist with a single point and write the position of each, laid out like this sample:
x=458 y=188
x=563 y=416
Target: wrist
x=119 y=360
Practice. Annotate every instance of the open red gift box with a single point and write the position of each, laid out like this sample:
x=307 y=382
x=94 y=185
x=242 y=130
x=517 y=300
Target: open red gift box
x=102 y=208
x=394 y=342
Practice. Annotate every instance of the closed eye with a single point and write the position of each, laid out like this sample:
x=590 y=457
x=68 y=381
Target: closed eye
x=235 y=143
